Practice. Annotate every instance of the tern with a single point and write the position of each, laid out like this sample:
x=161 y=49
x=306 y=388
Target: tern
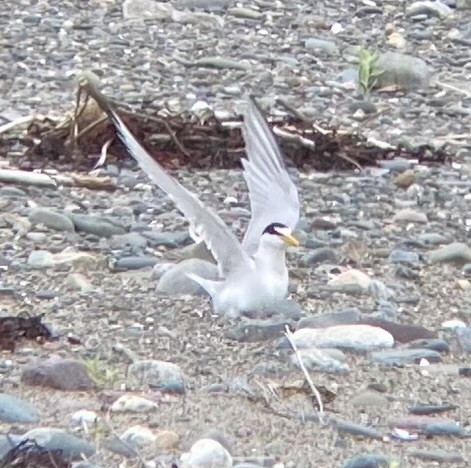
x=252 y=274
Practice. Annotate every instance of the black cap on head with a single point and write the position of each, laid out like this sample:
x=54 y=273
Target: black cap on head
x=271 y=228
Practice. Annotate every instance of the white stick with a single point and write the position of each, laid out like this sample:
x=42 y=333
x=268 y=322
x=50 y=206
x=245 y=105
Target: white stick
x=289 y=336
x=14 y=176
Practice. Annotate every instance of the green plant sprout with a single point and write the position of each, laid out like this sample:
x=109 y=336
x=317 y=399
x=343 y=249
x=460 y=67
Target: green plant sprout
x=368 y=70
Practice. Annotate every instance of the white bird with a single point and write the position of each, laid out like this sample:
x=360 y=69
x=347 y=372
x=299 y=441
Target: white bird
x=253 y=274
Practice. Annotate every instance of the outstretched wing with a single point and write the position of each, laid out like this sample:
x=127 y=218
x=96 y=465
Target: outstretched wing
x=222 y=242
x=273 y=195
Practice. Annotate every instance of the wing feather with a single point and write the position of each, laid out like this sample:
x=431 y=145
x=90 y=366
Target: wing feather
x=273 y=195
x=221 y=241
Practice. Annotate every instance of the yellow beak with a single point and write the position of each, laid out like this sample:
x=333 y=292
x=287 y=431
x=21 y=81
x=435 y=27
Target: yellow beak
x=290 y=240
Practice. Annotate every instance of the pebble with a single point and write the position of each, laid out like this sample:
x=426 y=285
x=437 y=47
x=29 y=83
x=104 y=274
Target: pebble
x=404 y=356
x=320 y=255
x=331 y=361
x=206 y=453
x=57 y=372
x=84 y=416
x=167 y=440
x=430 y=8
x=39 y=259
x=15 y=410
x=95 y=225
x=353 y=278
x=368 y=399
x=138 y=436
x=402 y=333
x=456 y=252
x=355 y=337
x=257 y=330
x=321 y=45
x=134 y=263
x=171 y=240
x=328 y=319
x=146 y=9
x=51 y=219
x=176 y=282
x=133 y=404
x=79 y=282
x=464 y=338
x=438 y=456
x=404 y=71
x=357 y=430
x=404 y=256
x=162 y=375
x=409 y=215
x=370 y=460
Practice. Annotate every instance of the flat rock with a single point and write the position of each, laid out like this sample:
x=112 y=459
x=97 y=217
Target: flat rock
x=328 y=319
x=39 y=259
x=349 y=279
x=370 y=460
x=320 y=255
x=138 y=436
x=436 y=9
x=51 y=219
x=162 y=375
x=69 y=446
x=95 y=225
x=176 y=282
x=257 y=330
x=456 y=252
x=15 y=410
x=355 y=337
x=321 y=45
x=404 y=71
x=403 y=333
x=146 y=9
x=368 y=399
x=404 y=356
x=56 y=372
x=133 y=404
x=331 y=361
x=409 y=215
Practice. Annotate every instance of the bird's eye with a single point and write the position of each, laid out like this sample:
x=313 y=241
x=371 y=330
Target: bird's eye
x=274 y=229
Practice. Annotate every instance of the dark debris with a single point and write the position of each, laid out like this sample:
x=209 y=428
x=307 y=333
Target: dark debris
x=15 y=328
x=183 y=140
x=28 y=454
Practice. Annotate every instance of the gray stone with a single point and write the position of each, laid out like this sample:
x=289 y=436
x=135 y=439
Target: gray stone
x=403 y=256
x=257 y=330
x=170 y=240
x=207 y=453
x=51 y=219
x=359 y=337
x=341 y=317
x=175 y=281
x=358 y=430
x=321 y=255
x=135 y=262
x=40 y=259
x=146 y=9
x=404 y=71
x=162 y=375
x=323 y=45
x=370 y=460
x=56 y=372
x=404 y=356
x=331 y=361
x=436 y=8
x=409 y=215
x=438 y=456
x=95 y=225
x=68 y=446
x=456 y=252
x=134 y=241
x=14 y=410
